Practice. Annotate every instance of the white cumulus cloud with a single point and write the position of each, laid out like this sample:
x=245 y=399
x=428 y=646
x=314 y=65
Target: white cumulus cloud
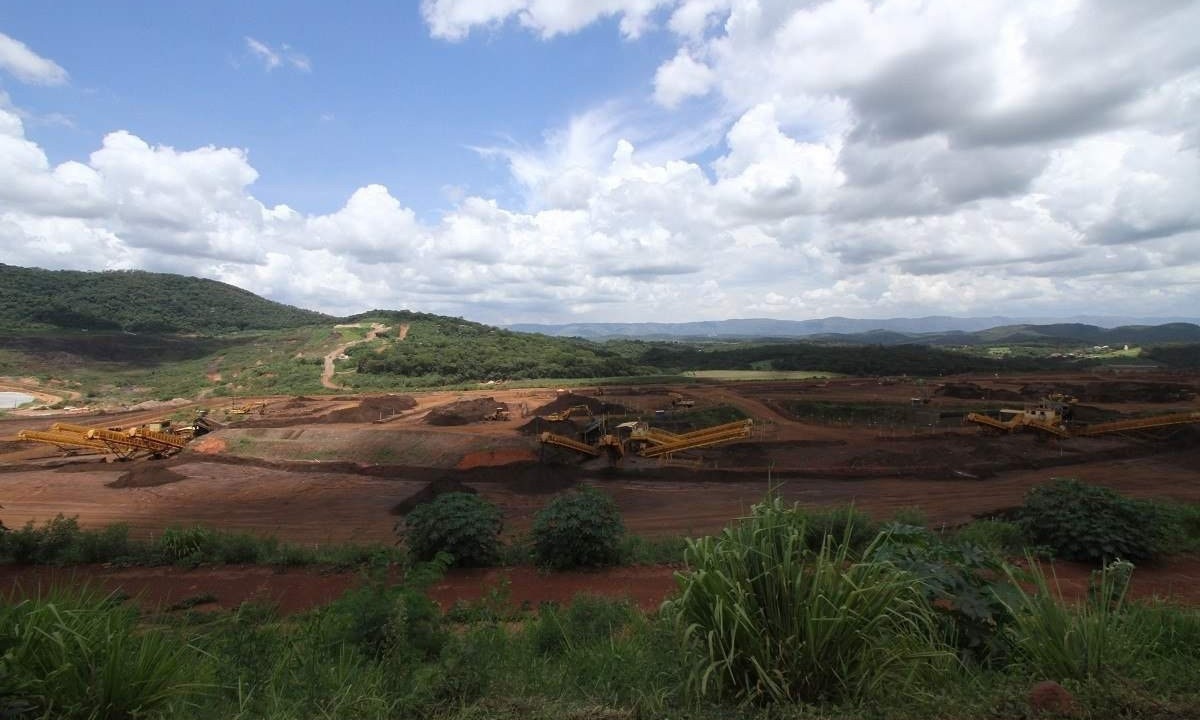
x=27 y=66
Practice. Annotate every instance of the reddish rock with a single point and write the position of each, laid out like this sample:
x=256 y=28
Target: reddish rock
x=1050 y=698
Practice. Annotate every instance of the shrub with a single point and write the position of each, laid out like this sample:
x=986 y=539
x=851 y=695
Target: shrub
x=108 y=544
x=763 y=617
x=587 y=620
x=1089 y=523
x=844 y=524
x=997 y=535
x=78 y=655
x=966 y=585
x=185 y=544
x=1062 y=641
x=580 y=529
x=462 y=524
x=53 y=542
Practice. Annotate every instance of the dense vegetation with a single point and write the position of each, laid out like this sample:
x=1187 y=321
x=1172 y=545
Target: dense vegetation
x=131 y=335
x=580 y=529
x=785 y=613
x=847 y=359
x=462 y=525
x=1089 y=523
x=136 y=301
x=61 y=541
x=1176 y=356
x=443 y=350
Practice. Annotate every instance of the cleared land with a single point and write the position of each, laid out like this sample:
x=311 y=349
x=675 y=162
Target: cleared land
x=335 y=469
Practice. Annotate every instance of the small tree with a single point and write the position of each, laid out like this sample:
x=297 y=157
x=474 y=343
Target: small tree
x=580 y=529
x=462 y=524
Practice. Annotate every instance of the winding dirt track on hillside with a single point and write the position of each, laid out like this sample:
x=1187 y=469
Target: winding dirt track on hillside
x=37 y=391
x=327 y=374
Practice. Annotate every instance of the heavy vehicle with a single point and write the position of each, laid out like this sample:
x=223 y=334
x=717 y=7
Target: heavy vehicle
x=566 y=414
x=641 y=439
x=247 y=409
x=499 y=414
x=1054 y=417
x=155 y=440
x=678 y=400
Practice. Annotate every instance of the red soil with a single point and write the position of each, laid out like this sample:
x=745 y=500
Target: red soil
x=503 y=456
x=647 y=586
x=1176 y=581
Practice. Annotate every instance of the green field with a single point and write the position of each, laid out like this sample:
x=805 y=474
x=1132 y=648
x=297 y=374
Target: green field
x=760 y=374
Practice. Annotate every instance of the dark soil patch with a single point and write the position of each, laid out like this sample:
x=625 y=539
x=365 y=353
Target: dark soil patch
x=146 y=476
x=1116 y=391
x=971 y=391
x=463 y=412
x=568 y=400
x=441 y=486
x=529 y=478
x=538 y=425
x=370 y=410
x=744 y=454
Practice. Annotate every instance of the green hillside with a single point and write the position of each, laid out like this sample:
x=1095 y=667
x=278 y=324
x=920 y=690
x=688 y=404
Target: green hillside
x=442 y=350
x=119 y=337
x=136 y=301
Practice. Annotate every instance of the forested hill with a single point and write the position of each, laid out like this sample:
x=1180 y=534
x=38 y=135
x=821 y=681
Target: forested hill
x=136 y=301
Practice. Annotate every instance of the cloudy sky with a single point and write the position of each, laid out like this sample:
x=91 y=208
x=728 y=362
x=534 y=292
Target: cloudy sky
x=616 y=160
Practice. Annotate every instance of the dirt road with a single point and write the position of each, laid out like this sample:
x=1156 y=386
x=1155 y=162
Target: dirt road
x=327 y=375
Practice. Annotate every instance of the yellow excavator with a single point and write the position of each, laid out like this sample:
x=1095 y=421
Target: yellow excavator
x=260 y=407
x=566 y=414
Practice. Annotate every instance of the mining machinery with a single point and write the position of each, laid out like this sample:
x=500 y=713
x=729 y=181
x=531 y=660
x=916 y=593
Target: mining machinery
x=153 y=440
x=643 y=440
x=1053 y=417
x=259 y=407
x=497 y=415
x=566 y=414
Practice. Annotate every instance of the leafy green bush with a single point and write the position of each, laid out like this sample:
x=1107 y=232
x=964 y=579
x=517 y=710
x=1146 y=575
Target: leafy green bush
x=49 y=544
x=966 y=585
x=462 y=524
x=587 y=619
x=78 y=655
x=1089 y=523
x=1182 y=528
x=842 y=524
x=380 y=618
x=763 y=617
x=1000 y=536
x=579 y=529
x=108 y=544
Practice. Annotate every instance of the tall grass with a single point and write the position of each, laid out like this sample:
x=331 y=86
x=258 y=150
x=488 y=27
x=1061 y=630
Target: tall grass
x=1064 y=641
x=74 y=655
x=764 y=617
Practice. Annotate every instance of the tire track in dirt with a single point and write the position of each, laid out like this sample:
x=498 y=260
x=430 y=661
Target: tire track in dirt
x=327 y=374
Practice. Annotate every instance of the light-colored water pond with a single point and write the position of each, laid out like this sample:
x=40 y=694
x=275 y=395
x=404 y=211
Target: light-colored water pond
x=10 y=400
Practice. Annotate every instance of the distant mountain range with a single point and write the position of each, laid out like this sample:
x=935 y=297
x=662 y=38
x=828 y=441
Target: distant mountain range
x=32 y=299
x=928 y=330
x=1057 y=334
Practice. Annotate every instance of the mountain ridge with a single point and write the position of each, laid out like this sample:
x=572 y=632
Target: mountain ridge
x=746 y=328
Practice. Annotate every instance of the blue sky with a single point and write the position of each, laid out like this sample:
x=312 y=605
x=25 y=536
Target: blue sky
x=576 y=160
x=383 y=102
